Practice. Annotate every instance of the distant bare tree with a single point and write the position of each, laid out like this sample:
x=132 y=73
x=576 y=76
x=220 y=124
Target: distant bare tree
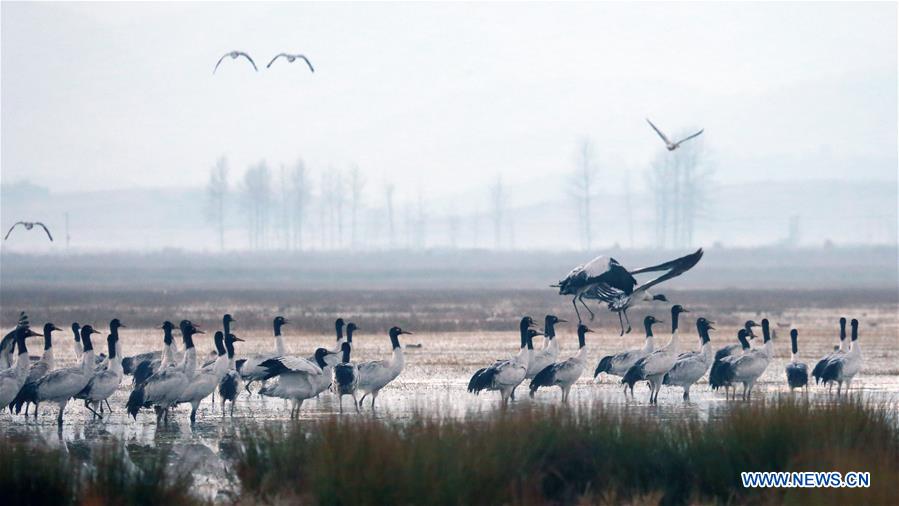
x=679 y=181
x=339 y=200
x=388 y=196
x=284 y=206
x=299 y=185
x=421 y=221
x=325 y=208
x=583 y=189
x=628 y=207
x=357 y=184
x=497 y=208
x=216 y=192
x=257 y=200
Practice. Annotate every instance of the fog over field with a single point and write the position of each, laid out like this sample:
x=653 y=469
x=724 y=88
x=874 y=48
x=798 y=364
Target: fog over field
x=448 y=126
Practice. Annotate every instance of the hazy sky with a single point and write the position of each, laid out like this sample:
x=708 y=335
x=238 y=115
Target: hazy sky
x=444 y=96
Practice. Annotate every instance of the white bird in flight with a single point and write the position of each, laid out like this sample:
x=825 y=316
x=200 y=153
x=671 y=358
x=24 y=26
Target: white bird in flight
x=28 y=226
x=668 y=144
x=290 y=59
x=234 y=55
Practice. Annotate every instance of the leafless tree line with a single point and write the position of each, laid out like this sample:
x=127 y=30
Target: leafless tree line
x=679 y=182
x=296 y=209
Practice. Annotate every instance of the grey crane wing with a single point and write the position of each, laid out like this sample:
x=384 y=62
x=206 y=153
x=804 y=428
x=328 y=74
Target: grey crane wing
x=245 y=55
x=664 y=138
x=45 y=230
x=220 y=62
x=275 y=58
x=685 y=139
x=16 y=224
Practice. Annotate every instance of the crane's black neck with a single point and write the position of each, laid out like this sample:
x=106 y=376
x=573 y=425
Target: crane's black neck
x=794 y=341
x=675 y=315
x=20 y=340
x=349 y=333
x=48 y=340
x=647 y=324
x=86 y=338
x=187 y=335
x=219 y=344
x=854 y=330
x=346 y=353
x=320 y=357
x=338 y=328
x=229 y=345
x=581 y=337
x=277 y=325
x=766 y=331
x=394 y=338
x=704 y=334
x=167 y=337
x=743 y=342
x=549 y=327
x=842 y=329
x=75 y=330
x=110 y=342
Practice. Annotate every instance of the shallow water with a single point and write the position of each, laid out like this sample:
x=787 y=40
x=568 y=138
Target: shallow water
x=434 y=384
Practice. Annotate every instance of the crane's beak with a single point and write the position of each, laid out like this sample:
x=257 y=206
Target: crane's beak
x=402 y=332
x=562 y=321
x=54 y=327
x=235 y=338
x=95 y=331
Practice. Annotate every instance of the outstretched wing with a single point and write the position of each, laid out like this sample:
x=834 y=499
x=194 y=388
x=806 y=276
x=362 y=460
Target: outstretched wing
x=45 y=230
x=275 y=58
x=685 y=139
x=292 y=364
x=245 y=55
x=307 y=62
x=675 y=268
x=12 y=227
x=658 y=132
x=220 y=62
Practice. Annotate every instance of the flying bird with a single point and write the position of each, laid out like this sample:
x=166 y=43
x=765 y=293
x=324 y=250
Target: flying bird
x=607 y=281
x=234 y=55
x=28 y=226
x=668 y=144
x=290 y=59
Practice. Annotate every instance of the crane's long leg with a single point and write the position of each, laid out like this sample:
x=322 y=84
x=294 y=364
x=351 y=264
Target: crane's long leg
x=581 y=298
x=621 y=322
x=628 y=331
x=574 y=303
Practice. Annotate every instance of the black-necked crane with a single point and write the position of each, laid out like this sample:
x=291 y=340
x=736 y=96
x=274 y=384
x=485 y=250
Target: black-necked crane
x=619 y=363
x=564 y=374
x=797 y=372
x=818 y=371
x=377 y=374
x=37 y=371
x=843 y=368
x=163 y=389
x=654 y=366
x=62 y=384
x=607 y=281
x=692 y=365
x=13 y=378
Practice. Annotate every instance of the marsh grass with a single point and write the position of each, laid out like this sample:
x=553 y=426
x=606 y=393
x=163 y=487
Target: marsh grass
x=590 y=456
x=37 y=475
